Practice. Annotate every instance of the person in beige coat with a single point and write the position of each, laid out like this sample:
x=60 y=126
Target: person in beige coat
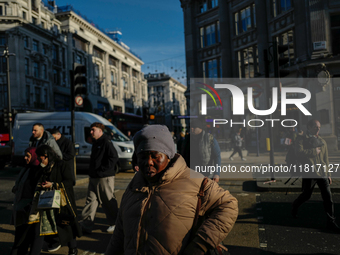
x=158 y=207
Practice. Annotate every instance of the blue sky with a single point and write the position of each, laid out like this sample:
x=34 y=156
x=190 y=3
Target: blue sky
x=153 y=29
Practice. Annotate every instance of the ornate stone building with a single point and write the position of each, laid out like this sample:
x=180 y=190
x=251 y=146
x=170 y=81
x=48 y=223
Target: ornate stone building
x=47 y=40
x=228 y=39
x=167 y=101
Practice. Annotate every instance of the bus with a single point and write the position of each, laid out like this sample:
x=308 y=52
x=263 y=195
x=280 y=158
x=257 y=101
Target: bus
x=125 y=121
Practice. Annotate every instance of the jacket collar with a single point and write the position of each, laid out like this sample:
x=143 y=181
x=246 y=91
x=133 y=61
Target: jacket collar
x=140 y=184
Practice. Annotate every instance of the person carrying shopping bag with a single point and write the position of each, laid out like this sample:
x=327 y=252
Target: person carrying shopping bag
x=56 y=175
x=26 y=235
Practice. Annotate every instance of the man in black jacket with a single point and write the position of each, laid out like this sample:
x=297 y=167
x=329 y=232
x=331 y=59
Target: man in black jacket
x=104 y=158
x=67 y=149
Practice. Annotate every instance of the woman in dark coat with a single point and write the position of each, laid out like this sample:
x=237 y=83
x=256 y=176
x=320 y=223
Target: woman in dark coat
x=26 y=235
x=56 y=175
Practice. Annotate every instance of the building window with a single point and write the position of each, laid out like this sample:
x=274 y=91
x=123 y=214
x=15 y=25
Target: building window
x=34 y=20
x=35 y=45
x=210 y=34
x=63 y=57
x=37 y=100
x=79 y=44
x=55 y=29
x=55 y=77
x=102 y=90
x=211 y=69
x=2 y=10
x=61 y=102
x=287 y=38
x=44 y=49
x=28 y=95
x=114 y=93
x=24 y=15
x=335 y=31
x=213 y=3
x=143 y=91
x=96 y=71
x=3 y=65
x=125 y=83
x=97 y=53
x=27 y=66
x=125 y=68
x=26 y=41
x=79 y=59
x=55 y=54
x=245 y=19
x=134 y=87
x=2 y=40
x=44 y=71
x=45 y=97
x=113 y=61
x=63 y=79
x=280 y=6
x=36 y=69
x=248 y=62
x=113 y=78
x=205 y=5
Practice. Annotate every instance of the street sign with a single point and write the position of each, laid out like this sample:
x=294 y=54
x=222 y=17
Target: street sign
x=79 y=101
x=257 y=90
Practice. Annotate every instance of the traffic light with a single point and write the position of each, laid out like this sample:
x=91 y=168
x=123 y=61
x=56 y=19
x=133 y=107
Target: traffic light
x=79 y=79
x=7 y=117
x=281 y=58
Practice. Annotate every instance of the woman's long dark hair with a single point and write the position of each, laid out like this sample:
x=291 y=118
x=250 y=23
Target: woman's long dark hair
x=46 y=150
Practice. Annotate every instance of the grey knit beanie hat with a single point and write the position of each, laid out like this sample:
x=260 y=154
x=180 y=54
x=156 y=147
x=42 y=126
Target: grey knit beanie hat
x=155 y=138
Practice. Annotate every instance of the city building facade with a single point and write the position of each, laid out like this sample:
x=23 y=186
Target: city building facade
x=167 y=101
x=227 y=39
x=47 y=40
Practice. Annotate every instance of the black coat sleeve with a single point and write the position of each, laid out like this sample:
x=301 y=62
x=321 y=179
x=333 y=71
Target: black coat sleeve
x=110 y=157
x=68 y=150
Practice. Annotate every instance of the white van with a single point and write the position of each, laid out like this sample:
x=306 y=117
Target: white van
x=22 y=131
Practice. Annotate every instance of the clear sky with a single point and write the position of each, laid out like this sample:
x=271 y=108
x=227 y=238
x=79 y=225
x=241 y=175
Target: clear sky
x=153 y=29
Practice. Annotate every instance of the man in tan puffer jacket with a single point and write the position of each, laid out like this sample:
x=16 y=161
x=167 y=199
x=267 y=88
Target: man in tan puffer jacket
x=158 y=208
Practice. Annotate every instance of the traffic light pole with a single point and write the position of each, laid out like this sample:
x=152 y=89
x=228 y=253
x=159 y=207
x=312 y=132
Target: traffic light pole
x=271 y=151
x=7 y=55
x=72 y=109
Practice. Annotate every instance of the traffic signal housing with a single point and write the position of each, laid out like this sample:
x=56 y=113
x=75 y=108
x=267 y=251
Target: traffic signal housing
x=281 y=58
x=79 y=79
x=7 y=116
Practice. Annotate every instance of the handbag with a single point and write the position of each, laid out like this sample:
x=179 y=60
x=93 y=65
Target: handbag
x=49 y=199
x=66 y=215
x=220 y=249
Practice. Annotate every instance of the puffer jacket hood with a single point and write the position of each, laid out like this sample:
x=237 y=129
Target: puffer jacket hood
x=157 y=218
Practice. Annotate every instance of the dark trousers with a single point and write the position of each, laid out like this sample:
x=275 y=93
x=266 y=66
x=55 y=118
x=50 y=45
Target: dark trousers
x=27 y=235
x=325 y=189
x=237 y=149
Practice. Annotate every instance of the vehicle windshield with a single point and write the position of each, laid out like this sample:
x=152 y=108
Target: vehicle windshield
x=115 y=134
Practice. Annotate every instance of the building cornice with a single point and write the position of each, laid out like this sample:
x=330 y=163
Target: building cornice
x=100 y=35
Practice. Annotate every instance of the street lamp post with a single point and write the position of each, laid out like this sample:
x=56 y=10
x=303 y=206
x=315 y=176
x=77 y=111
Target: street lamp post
x=6 y=54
